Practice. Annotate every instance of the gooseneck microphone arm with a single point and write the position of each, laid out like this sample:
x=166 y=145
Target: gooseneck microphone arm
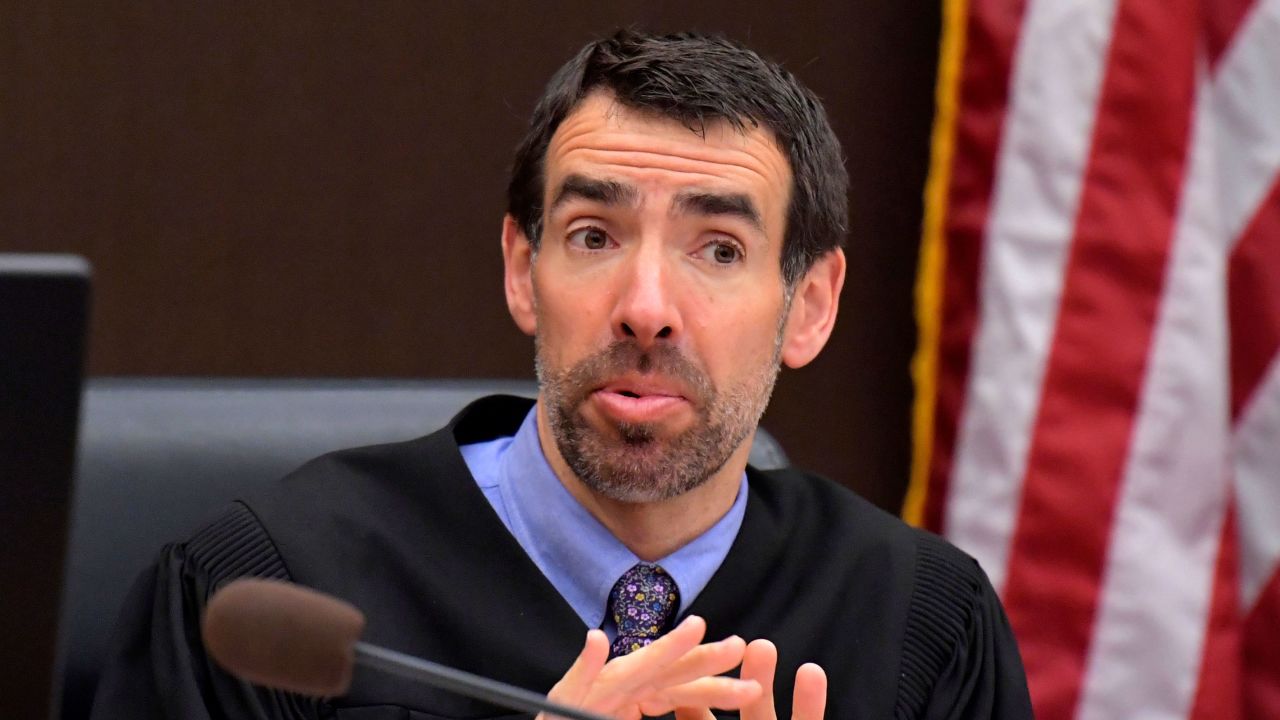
x=463 y=683
x=288 y=637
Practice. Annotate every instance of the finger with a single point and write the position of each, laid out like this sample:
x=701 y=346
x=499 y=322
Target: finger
x=641 y=668
x=704 y=660
x=760 y=663
x=810 y=701
x=725 y=693
x=673 y=645
x=690 y=713
x=573 y=687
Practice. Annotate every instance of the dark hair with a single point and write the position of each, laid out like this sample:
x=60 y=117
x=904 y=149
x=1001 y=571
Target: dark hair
x=696 y=79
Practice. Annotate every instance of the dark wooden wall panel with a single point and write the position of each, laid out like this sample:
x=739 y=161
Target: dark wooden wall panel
x=316 y=189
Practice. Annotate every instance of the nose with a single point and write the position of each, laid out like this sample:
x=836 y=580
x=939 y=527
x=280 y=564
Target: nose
x=645 y=311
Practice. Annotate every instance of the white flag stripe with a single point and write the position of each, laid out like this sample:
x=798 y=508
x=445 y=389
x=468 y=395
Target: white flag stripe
x=1172 y=497
x=1247 y=104
x=1057 y=75
x=1257 y=470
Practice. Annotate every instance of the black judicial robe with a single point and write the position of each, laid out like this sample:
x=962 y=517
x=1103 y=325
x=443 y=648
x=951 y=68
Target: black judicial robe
x=905 y=625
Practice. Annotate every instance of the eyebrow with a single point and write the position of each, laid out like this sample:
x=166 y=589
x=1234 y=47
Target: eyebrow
x=696 y=202
x=712 y=204
x=605 y=192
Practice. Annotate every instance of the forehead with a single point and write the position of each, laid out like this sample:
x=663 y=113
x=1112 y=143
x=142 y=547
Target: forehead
x=603 y=138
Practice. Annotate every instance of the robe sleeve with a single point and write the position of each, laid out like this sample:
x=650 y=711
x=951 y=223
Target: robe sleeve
x=156 y=667
x=960 y=659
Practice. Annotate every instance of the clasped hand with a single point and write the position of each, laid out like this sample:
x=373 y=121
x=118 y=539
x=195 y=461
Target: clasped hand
x=679 y=673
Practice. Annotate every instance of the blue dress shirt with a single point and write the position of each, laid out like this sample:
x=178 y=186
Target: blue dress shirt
x=580 y=557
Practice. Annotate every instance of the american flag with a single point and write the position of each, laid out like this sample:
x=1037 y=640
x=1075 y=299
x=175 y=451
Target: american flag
x=1098 y=378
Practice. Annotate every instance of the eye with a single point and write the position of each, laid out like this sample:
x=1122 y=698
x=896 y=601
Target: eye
x=721 y=252
x=589 y=238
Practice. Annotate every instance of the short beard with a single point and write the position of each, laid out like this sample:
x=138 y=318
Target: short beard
x=638 y=466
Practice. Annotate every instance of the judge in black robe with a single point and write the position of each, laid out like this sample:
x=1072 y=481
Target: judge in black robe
x=905 y=625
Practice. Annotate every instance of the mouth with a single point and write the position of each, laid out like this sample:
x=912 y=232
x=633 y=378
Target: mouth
x=642 y=387
x=634 y=400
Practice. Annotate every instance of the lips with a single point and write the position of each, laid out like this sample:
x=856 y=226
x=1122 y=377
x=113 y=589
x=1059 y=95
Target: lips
x=639 y=400
x=638 y=387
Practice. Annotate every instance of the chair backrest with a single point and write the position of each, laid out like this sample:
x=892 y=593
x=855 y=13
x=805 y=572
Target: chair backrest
x=159 y=456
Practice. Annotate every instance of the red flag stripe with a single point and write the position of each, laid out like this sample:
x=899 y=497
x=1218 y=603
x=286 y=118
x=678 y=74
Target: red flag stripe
x=1059 y=66
x=1255 y=345
x=1234 y=677
x=1171 y=501
x=1258 y=492
x=1254 y=313
x=991 y=36
x=1262 y=655
x=1114 y=281
x=1218 y=689
x=1174 y=490
x=1257 y=455
x=1253 y=287
x=1222 y=18
x=1153 y=588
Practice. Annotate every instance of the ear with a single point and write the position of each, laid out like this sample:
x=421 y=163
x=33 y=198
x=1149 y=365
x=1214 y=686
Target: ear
x=517 y=260
x=813 y=309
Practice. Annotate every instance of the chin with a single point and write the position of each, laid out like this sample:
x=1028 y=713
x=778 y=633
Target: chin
x=637 y=466
x=638 y=458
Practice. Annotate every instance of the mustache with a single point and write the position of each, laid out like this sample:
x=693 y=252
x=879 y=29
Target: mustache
x=624 y=356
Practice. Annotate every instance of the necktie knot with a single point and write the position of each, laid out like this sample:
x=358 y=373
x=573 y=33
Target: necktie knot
x=643 y=603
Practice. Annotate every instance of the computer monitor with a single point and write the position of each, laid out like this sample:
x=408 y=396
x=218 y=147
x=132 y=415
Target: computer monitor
x=44 y=303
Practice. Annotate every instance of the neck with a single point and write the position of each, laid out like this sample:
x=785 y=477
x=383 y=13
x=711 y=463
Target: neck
x=652 y=530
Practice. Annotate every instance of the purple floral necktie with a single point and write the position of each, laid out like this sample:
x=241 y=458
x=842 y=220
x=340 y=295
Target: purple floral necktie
x=643 y=603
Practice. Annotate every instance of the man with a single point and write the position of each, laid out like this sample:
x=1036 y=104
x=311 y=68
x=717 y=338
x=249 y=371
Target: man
x=673 y=235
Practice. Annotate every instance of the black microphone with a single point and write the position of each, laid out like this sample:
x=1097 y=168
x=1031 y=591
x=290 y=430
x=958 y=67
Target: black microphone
x=288 y=637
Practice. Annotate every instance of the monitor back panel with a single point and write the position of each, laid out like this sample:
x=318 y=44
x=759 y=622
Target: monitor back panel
x=43 y=311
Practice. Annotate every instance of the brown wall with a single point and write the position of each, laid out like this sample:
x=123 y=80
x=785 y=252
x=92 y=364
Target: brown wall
x=316 y=190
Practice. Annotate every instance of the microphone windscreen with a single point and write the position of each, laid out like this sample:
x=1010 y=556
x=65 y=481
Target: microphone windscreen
x=283 y=636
